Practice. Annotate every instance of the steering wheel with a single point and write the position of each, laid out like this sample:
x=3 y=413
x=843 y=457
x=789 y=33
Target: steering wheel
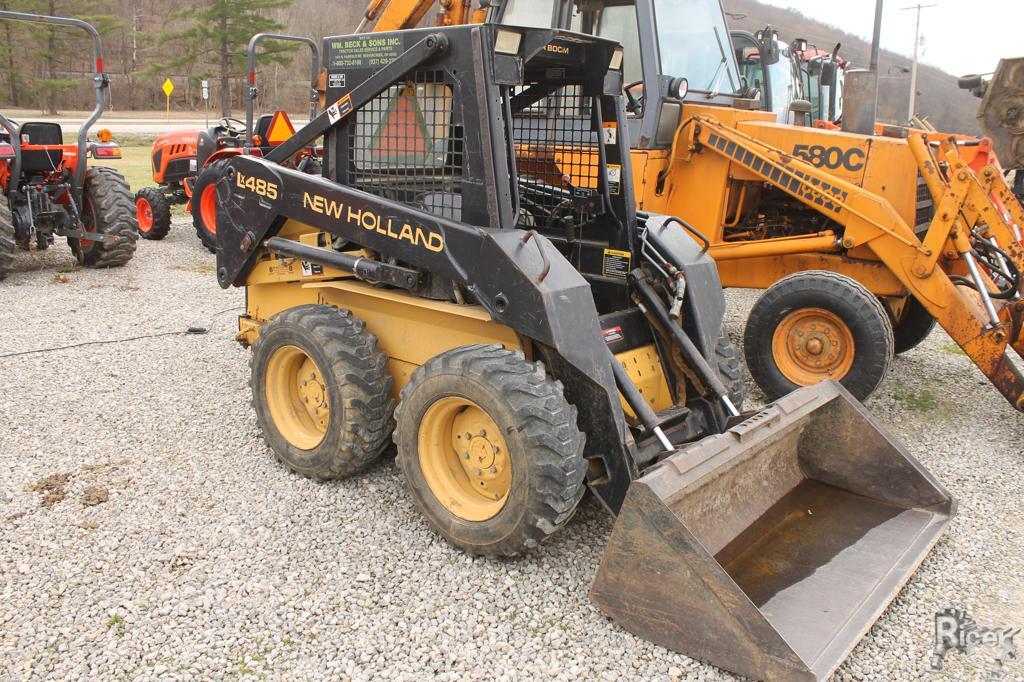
x=229 y=124
x=634 y=104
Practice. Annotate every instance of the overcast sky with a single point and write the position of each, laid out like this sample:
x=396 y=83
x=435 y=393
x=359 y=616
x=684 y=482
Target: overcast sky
x=960 y=36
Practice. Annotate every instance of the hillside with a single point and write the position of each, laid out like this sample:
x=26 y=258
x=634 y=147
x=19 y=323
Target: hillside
x=132 y=29
x=939 y=99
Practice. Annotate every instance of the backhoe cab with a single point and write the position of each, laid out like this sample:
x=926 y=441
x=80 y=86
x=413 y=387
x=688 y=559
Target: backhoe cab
x=470 y=279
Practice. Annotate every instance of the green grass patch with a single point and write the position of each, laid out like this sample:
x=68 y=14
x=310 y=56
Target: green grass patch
x=134 y=165
x=918 y=401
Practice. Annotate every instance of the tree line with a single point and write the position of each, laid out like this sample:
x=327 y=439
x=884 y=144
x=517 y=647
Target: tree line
x=49 y=68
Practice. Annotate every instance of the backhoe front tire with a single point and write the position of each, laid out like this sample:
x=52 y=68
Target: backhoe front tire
x=153 y=211
x=818 y=325
x=490 y=449
x=8 y=245
x=204 y=204
x=914 y=325
x=108 y=208
x=321 y=391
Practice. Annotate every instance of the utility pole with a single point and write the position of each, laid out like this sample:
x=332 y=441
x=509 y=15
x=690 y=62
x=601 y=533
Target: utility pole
x=913 y=69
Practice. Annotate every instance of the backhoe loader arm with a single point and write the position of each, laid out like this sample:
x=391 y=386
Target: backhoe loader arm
x=965 y=307
x=397 y=15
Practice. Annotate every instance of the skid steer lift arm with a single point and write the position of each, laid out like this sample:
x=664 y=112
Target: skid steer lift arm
x=986 y=324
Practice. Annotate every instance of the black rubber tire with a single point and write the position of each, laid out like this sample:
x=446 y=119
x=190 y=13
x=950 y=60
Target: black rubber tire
x=358 y=389
x=914 y=326
x=161 y=207
x=8 y=246
x=108 y=202
x=857 y=307
x=539 y=428
x=730 y=370
x=312 y=166
x=209 y=175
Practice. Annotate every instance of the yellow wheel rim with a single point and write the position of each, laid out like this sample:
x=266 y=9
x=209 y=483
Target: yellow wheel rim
x=297 y=397
x=813 y=344
x=464 y=459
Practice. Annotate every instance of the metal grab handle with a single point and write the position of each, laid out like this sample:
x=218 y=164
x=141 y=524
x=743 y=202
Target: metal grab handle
x=546 y=268
x=692 y=230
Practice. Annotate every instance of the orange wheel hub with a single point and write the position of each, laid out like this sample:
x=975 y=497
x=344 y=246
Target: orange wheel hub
x=813 y=344
x=144 y=213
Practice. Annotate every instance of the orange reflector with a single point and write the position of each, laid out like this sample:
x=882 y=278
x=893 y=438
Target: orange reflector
x=403 y=133
x=280 y=128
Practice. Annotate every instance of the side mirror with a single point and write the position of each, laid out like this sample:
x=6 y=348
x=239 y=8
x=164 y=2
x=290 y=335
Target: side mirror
x=829 y=71
x=798 y=45
x=768 y=46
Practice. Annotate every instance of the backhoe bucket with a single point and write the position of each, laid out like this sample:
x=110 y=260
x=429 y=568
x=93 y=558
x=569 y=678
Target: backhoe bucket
x=770 y=549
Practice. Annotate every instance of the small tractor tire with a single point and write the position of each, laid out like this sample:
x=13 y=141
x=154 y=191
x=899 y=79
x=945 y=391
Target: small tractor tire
x=107 y=208
x=204 y=204
x=8 y=245
x=311 y=166
x=730 y=369
x=321 y=391
x=913 y=327
x=490 y=449
x=817 y=325
x=153 y=210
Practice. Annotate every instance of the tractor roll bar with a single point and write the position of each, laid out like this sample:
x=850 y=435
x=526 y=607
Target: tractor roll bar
x=100 y=83
x=253 y=90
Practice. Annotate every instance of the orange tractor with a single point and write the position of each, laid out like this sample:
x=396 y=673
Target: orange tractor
x=51 y=192
x=179 y=157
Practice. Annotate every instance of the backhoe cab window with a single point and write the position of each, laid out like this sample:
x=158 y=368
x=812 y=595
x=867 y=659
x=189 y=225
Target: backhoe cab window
x=619 y=23
x=694 y=44
x=536 y=14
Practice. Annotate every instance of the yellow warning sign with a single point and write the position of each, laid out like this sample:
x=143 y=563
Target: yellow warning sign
x=280 y=129
x=168 y=87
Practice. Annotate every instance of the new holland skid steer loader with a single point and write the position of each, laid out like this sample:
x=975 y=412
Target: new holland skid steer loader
x=470 y=278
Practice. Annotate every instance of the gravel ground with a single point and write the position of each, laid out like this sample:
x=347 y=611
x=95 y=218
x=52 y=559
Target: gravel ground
x=146 y=532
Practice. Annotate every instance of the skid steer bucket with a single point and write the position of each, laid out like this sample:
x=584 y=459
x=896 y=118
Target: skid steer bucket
x=770 y=549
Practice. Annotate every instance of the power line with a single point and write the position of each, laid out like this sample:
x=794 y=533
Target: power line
x=917 y=43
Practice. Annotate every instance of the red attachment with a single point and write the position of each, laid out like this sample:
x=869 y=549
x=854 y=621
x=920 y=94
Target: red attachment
x=99 y=64
x=984 y=156
x=252 y=78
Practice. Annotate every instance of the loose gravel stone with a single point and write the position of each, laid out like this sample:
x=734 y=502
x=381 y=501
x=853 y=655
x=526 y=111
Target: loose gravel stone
x=211 y=561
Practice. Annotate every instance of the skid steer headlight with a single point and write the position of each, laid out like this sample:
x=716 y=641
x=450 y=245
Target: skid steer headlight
x=507 y=42
x=616 y=63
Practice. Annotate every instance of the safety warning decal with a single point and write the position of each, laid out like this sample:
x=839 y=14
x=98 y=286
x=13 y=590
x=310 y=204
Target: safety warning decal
x=614 y=178
x=612 y=335
x=340 y=109
x=616 y=263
